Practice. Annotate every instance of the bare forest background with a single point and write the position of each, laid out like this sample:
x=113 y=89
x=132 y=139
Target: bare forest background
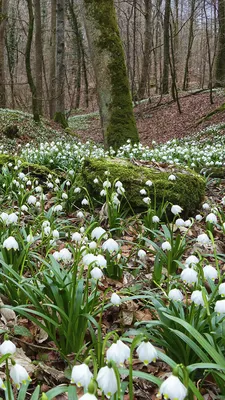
x=45 y=62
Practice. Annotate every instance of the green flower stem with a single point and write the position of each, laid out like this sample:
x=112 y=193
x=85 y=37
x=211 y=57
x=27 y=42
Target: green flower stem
x=138 y=339
x=8 y=379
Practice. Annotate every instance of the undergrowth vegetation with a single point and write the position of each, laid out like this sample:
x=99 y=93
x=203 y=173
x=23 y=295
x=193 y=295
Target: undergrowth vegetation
x=107 y=286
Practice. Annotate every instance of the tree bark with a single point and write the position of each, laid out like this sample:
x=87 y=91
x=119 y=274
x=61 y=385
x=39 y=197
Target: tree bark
x=114 y=98
x=52 y=67
x=190 y=43
x=147 y=49
x=38 y=54
x=166 y=48
x=28 y=63
x=3 y=20
x=60 y=64
x=219 y=74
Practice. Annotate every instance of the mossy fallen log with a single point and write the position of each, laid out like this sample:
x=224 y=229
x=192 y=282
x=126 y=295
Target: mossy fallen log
x=35 y=169
x=187 y=190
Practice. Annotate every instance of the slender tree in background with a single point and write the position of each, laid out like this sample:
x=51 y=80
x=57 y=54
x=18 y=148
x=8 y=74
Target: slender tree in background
x=11 y=50
x=3 y=19
x=147 y=49
x=30 y=79
x=52 y=64
x=166 y=48
x=38 y=54
x=60 y=64
x=219 y=73
x=113 y=90
x=190 y=44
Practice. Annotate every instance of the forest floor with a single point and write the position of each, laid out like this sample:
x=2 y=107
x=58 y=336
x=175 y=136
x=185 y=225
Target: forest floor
x=160 y=119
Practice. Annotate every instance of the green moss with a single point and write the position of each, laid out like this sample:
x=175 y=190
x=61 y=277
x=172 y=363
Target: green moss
x=35 y=169
x=187 y=190
x=122 y=125
x=60 y=118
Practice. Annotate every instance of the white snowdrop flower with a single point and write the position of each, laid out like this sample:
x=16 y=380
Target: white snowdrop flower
x=111 y=245
x=197 y=298
x=4 y=217
x=9 y=165
x=118 y=352
x=84 y=202
x=223 y=201
x=149 y=183
x=106 y=379
x=19 y=375
x=187 y=223
x=212 y=218
x=88 y=396
x=80 y=214
x=76 y=237
x=189 y=275
x=82 y=229
x=147 y=353
x=92 y=245
x=57 y=208
x=29 y=183
x=30 y=238
x=47 y=230
x=222 y=289
x=147 y=200
x=45 y=223
x=220 y=307
x=16 y=183
x=115 y=299
x=49 y=176
x=172 y=388
x=203 y=239
x=31 y=200
x=71 y=172
x=89 y=259
x=12 y=219
x=64 y=196
x=107 y=173
x=21 y=175
x=10 y=243
x=198 y=217
x=191 y=261
x=81 y=375
x=65 y=255
x=143 y=192
x=103 y=193
x=68 y=183
x=172 y=177
x=7 y=347
x=155 y=219
x=166 y=246
x=56 y=255
x=57 y=181
x=141 y=254
x=101 y=261
x=55 y=234
x=96 y=273
x=77 y=190
x=175 y=294
x=179 y=222
x=205 y=206
x=175 y=209
x=118 y=184
x=98 y=232
x=50 y=185
x=38 y=204
x=96 y=180
x=107 y=184
x=210 y=272
x=120 y=190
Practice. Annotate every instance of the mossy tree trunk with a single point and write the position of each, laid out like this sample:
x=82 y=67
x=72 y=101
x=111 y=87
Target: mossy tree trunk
x=115 y=103
x=219 y=73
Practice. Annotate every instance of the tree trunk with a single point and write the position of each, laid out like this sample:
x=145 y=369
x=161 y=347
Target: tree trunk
x=166 y=48
x=52 y=77
x=38 y=54
x=219 y=74
x=28 y=64
x=3 y=19
x=147 y=49
x=190 y=43
x=115 y=104
x=60 y=64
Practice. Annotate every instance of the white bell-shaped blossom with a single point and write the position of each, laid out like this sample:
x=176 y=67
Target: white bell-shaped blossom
x=175 y=294
x=118 y=352
x=191 y=261
x=166 y=246
x=76 y=237
x=141 y=254
x=149 y=183
x=96 y=273
x=155 y=219
x=203 y=239
x=172 y=177
x=106 y=379
x=205 y=206
x=11 y=243
x=115 y=299
x=179 y=222
x=98 y=232
x=222 y=289
x=12 y=219
x=143 y=192
x=147 y=353
x=81 y=375
x=172 y=388
x=210 y=272
x=65 y=255
x=198 y=217
x=189 y=275
x=88 y=259
x=31 y=200
x=88 y=396
x=212 y=218
x=101 y=261
x=220 y=307
x=19 y=375
x=111 y=245
x=175 y=209
x=197 y=298
x=7 y=347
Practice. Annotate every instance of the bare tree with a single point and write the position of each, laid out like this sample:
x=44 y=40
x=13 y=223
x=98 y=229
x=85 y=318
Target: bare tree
x=3 y=19
x=166 y=48
x=219 y=75
x=147 y=49
x=38 y=54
